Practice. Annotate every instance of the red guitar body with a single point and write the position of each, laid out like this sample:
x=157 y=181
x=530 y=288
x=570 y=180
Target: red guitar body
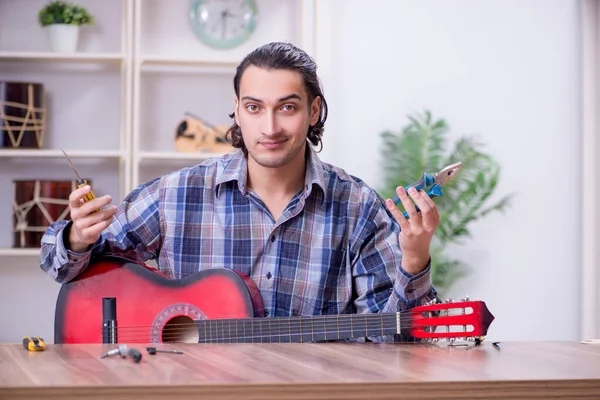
x=150 y=305
x=120 y=301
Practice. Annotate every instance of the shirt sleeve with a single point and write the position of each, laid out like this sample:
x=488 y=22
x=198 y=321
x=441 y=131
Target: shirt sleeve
x=133 y=234
x=382 y=285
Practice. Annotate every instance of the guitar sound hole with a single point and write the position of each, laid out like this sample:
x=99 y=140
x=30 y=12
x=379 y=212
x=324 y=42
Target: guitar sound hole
x=180 y=329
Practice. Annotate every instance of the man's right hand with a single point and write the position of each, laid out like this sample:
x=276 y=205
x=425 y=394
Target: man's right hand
x=87 y=223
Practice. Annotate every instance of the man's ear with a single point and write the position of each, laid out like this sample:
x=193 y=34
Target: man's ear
x=236 y=104
x=315 y=111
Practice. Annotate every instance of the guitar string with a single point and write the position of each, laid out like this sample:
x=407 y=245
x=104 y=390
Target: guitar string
x=374 y=318
x=257 y=328
x=228 y=334
x=231 y=330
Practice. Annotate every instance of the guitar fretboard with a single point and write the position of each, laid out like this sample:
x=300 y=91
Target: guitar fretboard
x=297 y=329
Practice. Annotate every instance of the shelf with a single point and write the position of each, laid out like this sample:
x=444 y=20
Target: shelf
x=52 y=153
x=61 y=57
x=20 y=252
x=156 y=63
x=173 y=156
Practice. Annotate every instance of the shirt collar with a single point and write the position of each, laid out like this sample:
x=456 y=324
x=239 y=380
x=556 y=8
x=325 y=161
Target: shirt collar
x=236 y=169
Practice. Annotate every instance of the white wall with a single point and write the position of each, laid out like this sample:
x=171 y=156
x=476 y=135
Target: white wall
x=506 y=69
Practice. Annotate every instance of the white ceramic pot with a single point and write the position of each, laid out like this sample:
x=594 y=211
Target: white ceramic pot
x=63 y=37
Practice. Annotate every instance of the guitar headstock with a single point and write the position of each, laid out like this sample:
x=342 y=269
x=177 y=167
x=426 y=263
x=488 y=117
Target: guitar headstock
x=451 y=320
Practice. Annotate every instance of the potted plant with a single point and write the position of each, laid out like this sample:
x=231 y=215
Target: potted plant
x=63 y=20
x=421 y=148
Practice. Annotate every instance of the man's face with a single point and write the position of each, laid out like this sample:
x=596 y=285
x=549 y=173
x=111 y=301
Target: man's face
x=274 y=115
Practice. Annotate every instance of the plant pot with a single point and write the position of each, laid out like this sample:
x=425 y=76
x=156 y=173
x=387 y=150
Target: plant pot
x=63 y=37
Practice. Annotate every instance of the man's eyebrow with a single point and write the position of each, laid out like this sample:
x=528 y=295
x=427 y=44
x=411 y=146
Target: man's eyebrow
x=284 y=98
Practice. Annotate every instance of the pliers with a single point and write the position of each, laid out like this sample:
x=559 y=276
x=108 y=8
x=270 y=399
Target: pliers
x=438 y=180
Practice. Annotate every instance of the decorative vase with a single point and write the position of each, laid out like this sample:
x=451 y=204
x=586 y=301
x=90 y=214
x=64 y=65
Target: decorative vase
x=63 y=37
x=36 y=205
x=22 y=114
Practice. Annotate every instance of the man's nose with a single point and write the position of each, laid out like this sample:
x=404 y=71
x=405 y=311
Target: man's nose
x=271 y=125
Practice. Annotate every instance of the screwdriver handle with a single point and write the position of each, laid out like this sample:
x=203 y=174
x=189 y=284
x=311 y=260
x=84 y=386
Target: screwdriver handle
x=90 y=195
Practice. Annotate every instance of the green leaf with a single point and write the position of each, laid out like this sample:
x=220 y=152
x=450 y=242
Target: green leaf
x=61 y=12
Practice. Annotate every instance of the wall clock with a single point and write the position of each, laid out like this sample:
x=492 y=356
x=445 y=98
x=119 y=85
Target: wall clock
x=223 y=24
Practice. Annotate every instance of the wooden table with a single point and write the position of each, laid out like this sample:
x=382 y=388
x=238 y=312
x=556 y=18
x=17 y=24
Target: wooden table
x=305 y=371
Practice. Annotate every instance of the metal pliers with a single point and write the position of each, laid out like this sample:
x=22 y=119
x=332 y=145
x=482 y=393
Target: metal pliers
x=438 y=180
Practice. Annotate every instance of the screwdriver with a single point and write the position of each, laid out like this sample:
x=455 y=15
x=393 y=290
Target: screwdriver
x=80 y=182
x=153 y=350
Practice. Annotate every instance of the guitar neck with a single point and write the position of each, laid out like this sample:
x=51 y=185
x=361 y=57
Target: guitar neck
x=297 y=329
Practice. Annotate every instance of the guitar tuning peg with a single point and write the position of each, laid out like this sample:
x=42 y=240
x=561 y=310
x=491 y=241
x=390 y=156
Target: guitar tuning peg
x=448 y=301
x=466 y=298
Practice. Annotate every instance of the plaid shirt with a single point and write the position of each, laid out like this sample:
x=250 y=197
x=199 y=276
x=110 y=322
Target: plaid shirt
x=333 y=250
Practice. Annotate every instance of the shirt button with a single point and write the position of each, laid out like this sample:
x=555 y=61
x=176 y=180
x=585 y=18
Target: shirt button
x=272 y=238
x=266 y=313
x=269 y=275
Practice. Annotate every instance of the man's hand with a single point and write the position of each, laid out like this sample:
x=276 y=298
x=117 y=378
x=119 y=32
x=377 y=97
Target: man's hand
x=417 y=231
x=88 y=223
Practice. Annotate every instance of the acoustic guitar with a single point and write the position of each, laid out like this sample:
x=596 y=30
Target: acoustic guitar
x=116 y=300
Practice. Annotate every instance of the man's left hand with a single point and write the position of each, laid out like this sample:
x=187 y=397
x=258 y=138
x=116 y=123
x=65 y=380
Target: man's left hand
x=417 y=231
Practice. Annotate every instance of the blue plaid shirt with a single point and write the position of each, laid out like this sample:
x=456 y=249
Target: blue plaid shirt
x=333 y=250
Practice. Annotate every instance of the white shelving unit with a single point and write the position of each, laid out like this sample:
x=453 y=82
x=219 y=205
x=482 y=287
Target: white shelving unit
x=88 y=103
x=114 y=106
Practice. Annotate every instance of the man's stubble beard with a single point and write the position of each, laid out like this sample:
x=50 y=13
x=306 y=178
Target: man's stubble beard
x=284 y=159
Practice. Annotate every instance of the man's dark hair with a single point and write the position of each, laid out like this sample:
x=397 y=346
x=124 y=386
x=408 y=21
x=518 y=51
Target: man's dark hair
x=279 y=55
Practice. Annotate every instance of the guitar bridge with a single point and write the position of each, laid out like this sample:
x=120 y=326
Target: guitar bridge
x=109 y=320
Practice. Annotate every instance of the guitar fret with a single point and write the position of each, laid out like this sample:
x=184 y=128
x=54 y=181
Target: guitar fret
x=244 y=337
x=229 y=337
x=279 y=331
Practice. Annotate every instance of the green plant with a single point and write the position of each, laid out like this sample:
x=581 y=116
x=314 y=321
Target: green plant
x=421 y=148
x=61 y=12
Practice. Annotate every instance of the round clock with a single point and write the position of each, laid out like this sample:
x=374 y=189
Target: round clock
x=223 y=23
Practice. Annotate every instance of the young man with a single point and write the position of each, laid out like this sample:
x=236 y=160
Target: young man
x=314 y=239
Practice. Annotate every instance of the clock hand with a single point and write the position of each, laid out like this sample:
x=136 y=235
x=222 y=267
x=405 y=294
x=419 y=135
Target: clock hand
x=224 y=23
